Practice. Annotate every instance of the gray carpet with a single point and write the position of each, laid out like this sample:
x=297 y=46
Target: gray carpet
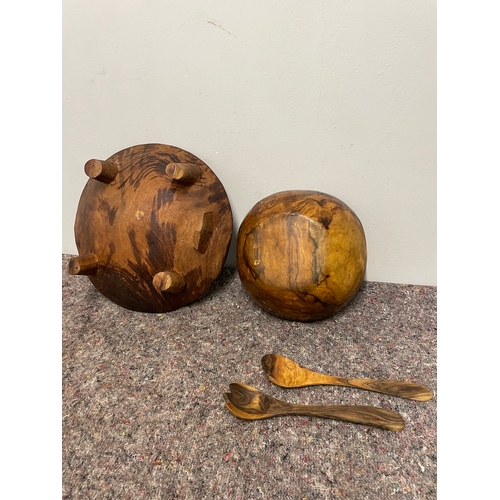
x=143 y=416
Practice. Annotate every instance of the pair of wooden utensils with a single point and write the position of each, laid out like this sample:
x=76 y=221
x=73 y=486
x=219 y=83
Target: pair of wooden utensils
x=248 y=403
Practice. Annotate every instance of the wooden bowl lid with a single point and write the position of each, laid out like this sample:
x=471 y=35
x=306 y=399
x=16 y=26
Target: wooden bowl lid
x=153 y=227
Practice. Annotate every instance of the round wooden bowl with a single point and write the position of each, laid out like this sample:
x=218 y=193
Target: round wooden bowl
x=152 y=228
x=301 y=255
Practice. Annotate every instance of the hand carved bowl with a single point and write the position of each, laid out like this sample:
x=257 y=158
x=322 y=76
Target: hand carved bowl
x=153 y=227
x=301 y=255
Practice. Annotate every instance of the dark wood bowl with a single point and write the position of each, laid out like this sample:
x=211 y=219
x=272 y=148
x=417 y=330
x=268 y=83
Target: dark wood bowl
x=153 y=227
x=301 y=255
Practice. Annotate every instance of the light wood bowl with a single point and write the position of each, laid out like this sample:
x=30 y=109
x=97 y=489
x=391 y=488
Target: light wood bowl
x=301 y=255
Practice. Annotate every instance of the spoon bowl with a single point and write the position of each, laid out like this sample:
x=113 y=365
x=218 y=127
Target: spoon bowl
x=287 y=373
x=248 y=403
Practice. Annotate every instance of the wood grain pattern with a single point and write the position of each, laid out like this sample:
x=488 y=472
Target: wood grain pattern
x=301 y=255
x=248 y=403
x=143 y=214
x=286 y=373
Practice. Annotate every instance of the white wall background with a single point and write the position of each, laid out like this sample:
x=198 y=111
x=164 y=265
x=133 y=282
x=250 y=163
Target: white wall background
x=337 y=96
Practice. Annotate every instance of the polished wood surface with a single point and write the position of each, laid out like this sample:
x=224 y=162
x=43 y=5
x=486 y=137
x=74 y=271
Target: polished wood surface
x=301 y=255
x=153 y=227
x=287 y=373
x=248 y=403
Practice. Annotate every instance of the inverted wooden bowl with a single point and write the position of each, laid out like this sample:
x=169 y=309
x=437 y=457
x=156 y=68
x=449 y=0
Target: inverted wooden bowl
x=301 y=255
x=152 y=228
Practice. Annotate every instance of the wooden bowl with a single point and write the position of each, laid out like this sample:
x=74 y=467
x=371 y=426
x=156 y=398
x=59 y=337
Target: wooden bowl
x=152 y=228
x=301 y=255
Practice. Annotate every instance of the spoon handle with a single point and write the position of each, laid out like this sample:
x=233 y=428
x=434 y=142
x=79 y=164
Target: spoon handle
x=407 y=390
x=367 y=415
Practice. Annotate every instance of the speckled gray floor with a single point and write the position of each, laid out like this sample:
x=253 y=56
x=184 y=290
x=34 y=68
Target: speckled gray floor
x=144 y=418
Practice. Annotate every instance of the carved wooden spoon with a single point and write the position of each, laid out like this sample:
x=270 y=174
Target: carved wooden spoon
x=249 y=403
x=286 y=373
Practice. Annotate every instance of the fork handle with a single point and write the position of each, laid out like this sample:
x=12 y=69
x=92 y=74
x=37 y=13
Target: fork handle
x=368 y=415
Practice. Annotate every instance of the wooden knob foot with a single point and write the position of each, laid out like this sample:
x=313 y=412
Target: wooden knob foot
x=103 y=171
x=83 y=265
x=183 y=173
x=169 y=281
